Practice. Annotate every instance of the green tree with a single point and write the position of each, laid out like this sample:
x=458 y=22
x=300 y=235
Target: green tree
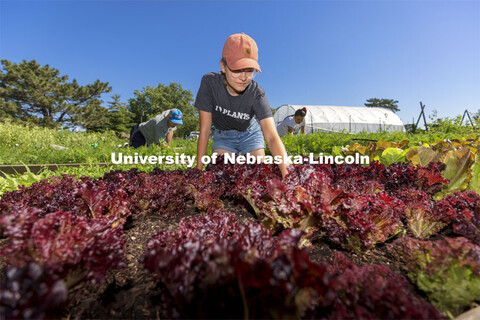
x=115 y=117
x=10 y=110
x=383 y=103
x=152 y=101
x=120 y=119
x=40 y=94
x=95 y=118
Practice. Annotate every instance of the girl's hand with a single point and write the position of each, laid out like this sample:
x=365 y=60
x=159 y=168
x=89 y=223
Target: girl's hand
x=274 y=142
x=202 y=142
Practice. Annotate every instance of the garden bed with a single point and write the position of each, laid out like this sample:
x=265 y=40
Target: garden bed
x=334 y=243
x=132 y=293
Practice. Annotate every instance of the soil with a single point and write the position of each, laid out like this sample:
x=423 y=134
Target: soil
x=133 y=293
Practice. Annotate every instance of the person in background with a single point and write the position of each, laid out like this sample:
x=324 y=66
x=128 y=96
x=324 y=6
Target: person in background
x=293 y=123
x=237 y=106
x=156 y=129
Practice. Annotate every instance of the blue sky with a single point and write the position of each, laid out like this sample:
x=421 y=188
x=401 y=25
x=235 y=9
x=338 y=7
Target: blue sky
x=311 y=52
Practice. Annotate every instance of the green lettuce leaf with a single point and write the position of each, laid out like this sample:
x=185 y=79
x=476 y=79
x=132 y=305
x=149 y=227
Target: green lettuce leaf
x=392 y=155
x=475 y=181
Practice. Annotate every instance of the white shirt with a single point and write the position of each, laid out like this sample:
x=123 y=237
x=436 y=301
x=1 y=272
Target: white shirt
x=282 y=127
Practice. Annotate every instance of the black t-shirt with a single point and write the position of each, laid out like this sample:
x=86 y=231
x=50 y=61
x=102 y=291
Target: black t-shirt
x=231 y=112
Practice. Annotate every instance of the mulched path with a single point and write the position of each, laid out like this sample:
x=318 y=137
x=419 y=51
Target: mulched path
x=132 y=293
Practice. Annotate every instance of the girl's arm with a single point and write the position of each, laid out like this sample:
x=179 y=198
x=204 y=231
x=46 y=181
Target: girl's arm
x=290 y=130
x=302 y=128
x=274 y=142
x=202 y=143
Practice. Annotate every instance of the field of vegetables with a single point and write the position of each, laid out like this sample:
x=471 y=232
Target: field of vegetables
x=398 y=239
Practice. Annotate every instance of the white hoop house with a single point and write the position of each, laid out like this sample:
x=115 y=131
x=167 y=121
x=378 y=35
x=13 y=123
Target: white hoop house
x=348 y=119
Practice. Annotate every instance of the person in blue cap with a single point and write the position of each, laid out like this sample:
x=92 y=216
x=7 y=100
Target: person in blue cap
x=156 y=129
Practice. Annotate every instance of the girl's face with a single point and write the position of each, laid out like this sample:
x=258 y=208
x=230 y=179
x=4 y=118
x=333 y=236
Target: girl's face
x=298 y=119
x=237 y=80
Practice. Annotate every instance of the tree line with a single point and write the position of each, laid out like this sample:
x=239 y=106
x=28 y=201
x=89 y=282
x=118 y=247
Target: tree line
x=40 y=95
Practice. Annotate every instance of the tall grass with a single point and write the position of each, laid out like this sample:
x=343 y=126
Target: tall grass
x=35 y=145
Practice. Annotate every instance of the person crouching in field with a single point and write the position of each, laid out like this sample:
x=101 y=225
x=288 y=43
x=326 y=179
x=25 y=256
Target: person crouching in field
x=237 y=106
x=293 y=124
x=156 y=129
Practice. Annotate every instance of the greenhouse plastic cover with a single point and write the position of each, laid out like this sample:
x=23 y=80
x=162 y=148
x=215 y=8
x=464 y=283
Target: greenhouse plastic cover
x=348 y=119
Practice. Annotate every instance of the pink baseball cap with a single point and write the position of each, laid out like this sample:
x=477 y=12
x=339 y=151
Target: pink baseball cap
x=241 y=52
